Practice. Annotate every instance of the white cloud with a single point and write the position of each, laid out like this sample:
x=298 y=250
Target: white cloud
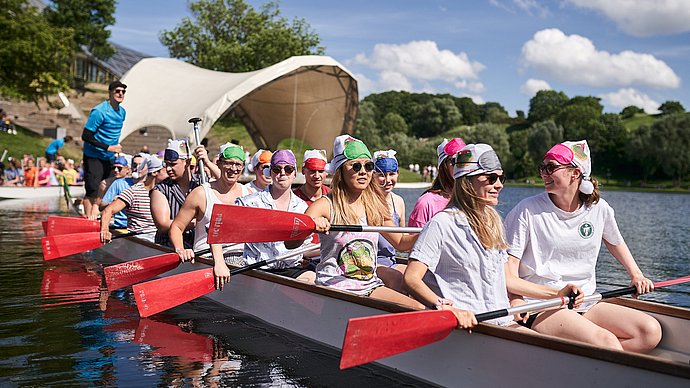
x=532 y=86
x=531 y=7
x=574 y=59
x=643 y=17
x=629 y=96
x=419 y=66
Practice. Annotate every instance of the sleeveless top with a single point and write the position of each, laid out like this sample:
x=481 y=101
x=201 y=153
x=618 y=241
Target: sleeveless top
x=201 y=228
x=386 y=254
x=173 y=193
x=348 y=260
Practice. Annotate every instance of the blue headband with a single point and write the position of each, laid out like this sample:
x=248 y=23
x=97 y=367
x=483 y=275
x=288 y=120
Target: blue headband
x=386 y=165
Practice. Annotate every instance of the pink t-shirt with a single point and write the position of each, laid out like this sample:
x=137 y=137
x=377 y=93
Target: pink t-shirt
x=427 y=205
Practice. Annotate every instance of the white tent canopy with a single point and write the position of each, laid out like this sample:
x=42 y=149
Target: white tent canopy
x=311 y=98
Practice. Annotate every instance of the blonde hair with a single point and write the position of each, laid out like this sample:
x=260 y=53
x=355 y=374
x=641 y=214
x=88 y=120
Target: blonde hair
x=373 y=198
x=483 y=219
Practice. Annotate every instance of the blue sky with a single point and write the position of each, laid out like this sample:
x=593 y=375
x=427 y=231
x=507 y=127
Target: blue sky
x=627 y=52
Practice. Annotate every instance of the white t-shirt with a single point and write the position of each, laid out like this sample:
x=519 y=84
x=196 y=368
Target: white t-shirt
x=460 y=269
x=556 y=247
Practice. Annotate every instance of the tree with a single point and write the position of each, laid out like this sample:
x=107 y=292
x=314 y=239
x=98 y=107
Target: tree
x=493 y=112
x=435 y=117
x=230 y=35
x=468 y=109
x=520 y=163
x=630 y=111
x=541 y=137
x=545 y=105
x=671 y=107
x=35 y=55
x=89 y=20
x=366 y=128
x=641 y=156
x=671 y=140
x=393 y=123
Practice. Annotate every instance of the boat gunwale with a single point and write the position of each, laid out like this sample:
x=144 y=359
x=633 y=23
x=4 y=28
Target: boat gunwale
x=635 y=360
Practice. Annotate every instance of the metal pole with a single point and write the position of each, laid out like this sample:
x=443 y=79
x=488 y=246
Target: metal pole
x=195 y=122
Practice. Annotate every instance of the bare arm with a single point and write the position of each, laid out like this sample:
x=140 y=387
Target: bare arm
x=400 y=241
x=160 y=211
x=107 y=215
x=320 y=212
x=202 y=154
x=195 y=201
x=221 y=273
x=622 y=253
x=521 y=287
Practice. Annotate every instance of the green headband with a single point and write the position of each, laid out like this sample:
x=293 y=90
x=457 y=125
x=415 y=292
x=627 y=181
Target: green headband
x=233 y=152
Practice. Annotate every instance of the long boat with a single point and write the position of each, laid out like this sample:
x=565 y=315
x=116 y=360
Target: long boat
x=488 y=356
x=24 y=192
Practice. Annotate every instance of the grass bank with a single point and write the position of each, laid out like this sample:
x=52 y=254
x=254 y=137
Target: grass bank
x=26 y=142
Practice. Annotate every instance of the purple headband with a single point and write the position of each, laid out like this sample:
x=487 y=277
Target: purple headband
x=284 y=157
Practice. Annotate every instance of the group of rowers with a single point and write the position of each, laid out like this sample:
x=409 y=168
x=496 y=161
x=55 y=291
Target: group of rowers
x=466 y=258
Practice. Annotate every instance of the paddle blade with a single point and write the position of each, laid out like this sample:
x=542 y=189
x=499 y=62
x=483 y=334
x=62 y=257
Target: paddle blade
x=371 y=338
x=69 y=244
x=162 y=294
x=67 y=225
x=44 y=225
x=126 y=274
x=239 y=224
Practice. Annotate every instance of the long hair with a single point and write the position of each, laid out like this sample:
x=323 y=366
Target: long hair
x=483 y=219
x=590 y=199
x=443 y=183
x=373 y=199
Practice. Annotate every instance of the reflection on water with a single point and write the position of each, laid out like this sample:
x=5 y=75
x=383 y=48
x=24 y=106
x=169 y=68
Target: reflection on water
x=59 y=327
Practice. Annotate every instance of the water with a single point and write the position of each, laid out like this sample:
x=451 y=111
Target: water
x=58 y=328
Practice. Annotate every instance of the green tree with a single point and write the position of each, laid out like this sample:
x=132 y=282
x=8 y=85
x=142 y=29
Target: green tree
x=541 y=137
x=435 y=117
x=641 y=155
x=230 y=35
x=366 y=128
x=493 y=112
x=520 y=163
x=578 y=120
x=469 y=110
x=545 y=105
x=630 y=111
x=393 y=123
x=671 y=107
x=89 y=19
x=671 y=140
x=35 y=54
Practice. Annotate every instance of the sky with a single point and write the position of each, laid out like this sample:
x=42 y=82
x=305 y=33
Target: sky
x=626 y=52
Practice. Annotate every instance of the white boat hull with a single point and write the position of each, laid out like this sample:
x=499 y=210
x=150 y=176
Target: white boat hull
x=23 y=192
x=489 y=356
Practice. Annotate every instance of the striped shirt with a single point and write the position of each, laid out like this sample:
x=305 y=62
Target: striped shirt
x=138 y=208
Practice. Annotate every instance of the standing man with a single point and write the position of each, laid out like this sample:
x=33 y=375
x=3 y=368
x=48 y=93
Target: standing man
x=313 y=168
x=101 y=138
x=53 y=148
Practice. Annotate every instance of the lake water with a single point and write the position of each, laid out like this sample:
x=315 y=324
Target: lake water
x=58 y=328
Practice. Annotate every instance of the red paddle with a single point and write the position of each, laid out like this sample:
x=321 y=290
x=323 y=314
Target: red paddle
x=162 y=294
x=131 y=272
x=368 y=339
x=236 y=224
x=68 y=225
x=68 y=244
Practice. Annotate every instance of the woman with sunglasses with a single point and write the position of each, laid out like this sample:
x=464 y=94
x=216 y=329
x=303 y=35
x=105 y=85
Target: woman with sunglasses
x=278 y=196
x=555 y=237
x=136 y=203
x=436 y=198
x=464 y=246
x=348 y=260
x=386 y=175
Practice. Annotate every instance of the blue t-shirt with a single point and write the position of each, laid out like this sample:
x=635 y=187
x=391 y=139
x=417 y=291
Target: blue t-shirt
x=106 y=123
x=119 y=185
x=55 y=146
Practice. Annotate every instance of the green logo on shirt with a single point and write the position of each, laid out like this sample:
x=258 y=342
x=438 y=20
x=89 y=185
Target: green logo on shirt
x=586 y=230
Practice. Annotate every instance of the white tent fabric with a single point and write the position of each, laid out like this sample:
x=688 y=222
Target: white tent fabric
x=311 y=98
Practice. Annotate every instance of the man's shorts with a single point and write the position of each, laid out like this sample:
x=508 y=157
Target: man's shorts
x=50 y=157
x=95 y=170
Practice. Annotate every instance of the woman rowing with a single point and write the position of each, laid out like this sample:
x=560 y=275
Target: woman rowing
x=348 y=260
x=136 y=203
x=198 y=206
x=386 y=175
x=555 y=238
x=436 y=198
x=278 y=196
x=458 y=262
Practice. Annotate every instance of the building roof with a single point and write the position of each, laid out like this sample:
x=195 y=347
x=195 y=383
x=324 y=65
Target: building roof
x=311 y=98
x=120 y=62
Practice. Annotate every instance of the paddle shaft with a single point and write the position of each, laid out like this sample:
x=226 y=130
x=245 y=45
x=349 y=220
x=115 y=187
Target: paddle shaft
x=384 y=229
x=293 y=252
x=130 y=234
x=195 y=123
x=560 y=302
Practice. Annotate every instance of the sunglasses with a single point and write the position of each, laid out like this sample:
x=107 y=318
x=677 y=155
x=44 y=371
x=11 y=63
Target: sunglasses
x=493 y=177
x=548 y=169
x=119 y=91
x=368 y=166
x=232 y=165
x=118 y=168
x=278 y=169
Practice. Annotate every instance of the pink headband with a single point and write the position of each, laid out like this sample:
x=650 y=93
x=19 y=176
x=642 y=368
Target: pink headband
x=561 y=154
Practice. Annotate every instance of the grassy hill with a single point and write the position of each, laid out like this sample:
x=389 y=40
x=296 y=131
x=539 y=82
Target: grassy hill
x=28 y=142
x=639 y=119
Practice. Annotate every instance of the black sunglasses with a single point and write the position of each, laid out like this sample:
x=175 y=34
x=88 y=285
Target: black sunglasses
x=368 y=166
x=119 y=91
x=493 y=177
x=288 y=169
x=548 y=169
x=118 y=168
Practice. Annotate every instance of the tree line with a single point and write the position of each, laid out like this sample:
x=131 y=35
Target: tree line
x=414 y=123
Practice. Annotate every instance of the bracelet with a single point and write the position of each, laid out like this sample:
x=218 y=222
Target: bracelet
x=441 y=302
